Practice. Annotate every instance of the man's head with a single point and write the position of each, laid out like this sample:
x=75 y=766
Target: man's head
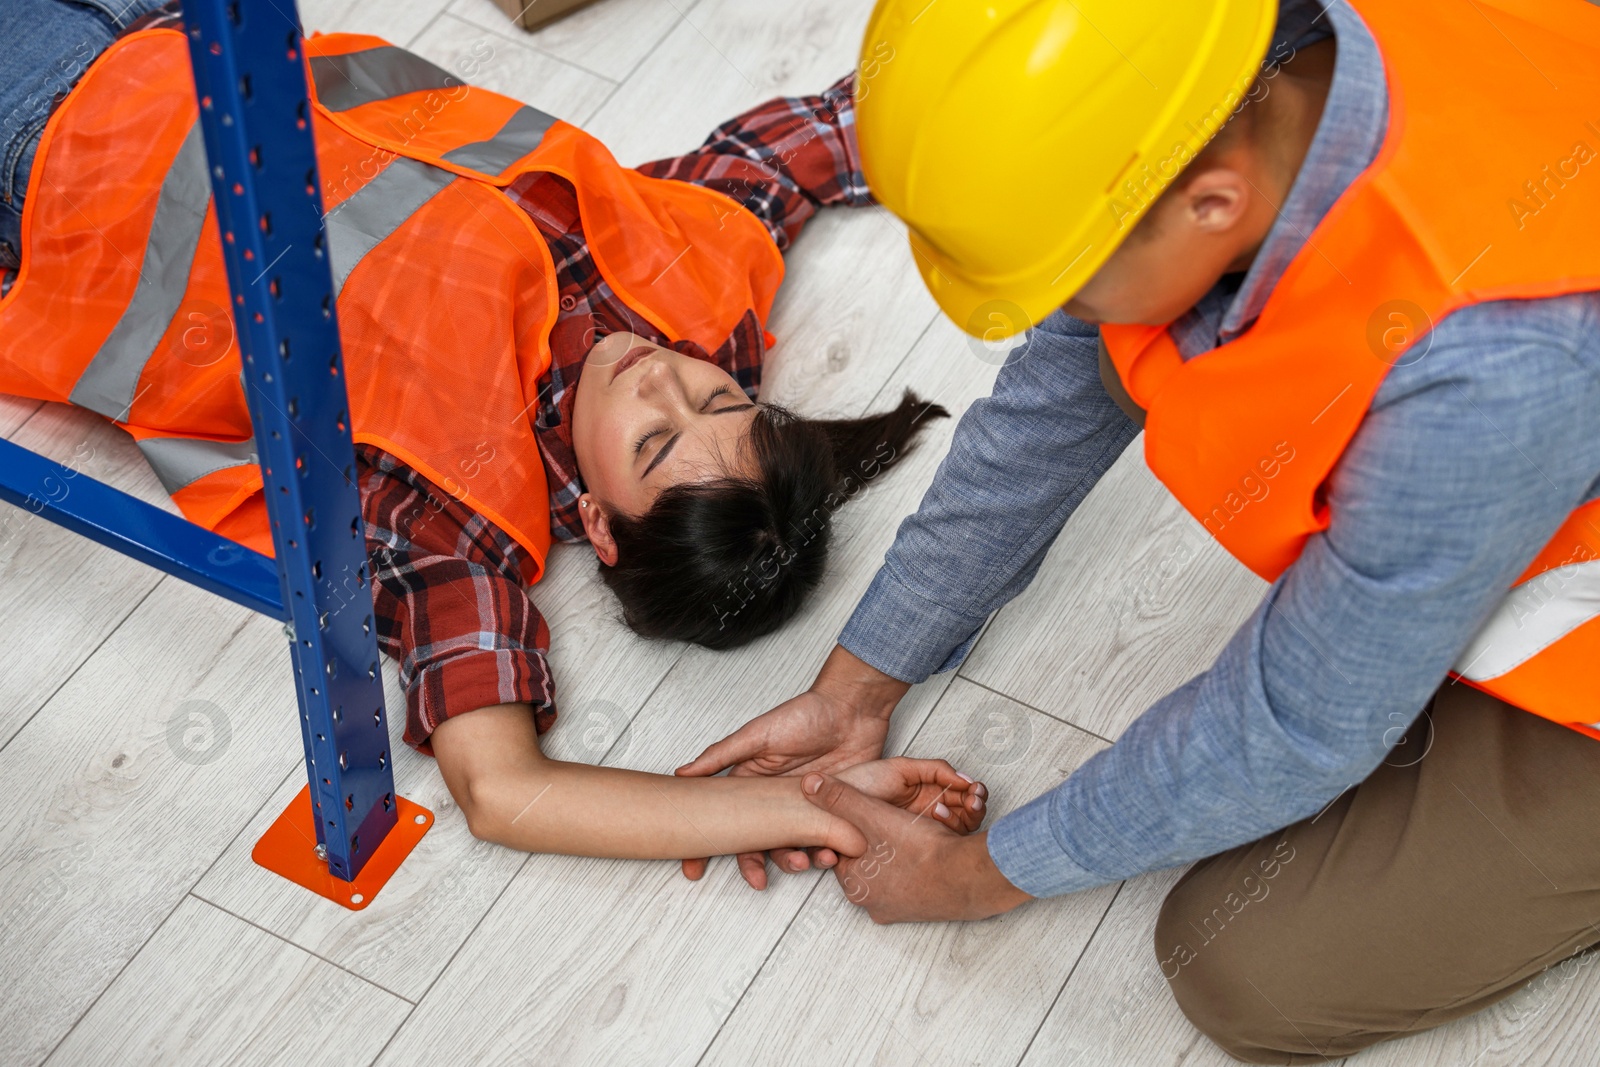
x=1218 y=210
x=1022 y=141
x=1208 y=222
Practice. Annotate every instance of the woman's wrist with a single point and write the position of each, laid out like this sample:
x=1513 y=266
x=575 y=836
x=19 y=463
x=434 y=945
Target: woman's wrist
x=813 y=827
x=782 y=817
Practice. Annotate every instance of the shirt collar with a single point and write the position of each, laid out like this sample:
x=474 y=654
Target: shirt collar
x=1354 y=119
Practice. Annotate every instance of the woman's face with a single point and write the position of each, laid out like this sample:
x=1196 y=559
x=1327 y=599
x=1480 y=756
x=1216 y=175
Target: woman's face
x=647 y=417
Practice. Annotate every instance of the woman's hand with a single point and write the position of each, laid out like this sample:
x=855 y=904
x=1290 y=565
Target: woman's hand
x=841 y=720
x=923 y=787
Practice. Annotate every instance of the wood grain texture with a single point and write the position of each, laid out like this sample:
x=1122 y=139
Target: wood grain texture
x=403 y=940
x=1116 y=1008
x=722 y=57
x=61 y=594
x=839 y=990
x=396 y=21
x=506 y=65
x=849 y=310
x=14 y=411
x=1550 y=1021
x=610 y=37
x=209 y=988
x=1133 y=600
x=128 y=784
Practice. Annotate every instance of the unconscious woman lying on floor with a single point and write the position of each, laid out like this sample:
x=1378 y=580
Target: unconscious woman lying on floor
x=538 y=344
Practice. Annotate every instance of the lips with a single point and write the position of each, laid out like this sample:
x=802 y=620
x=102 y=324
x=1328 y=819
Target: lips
x=635 y=354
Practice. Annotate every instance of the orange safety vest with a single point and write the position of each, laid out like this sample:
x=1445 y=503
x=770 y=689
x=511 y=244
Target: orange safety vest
x=444 y=286
x=1486 y=187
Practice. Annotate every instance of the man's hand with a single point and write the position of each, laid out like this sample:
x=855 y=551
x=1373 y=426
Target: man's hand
x=914 y=869
x=840 y=721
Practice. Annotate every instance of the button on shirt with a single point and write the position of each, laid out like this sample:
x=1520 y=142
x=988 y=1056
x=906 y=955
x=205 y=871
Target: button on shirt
x=1468 y=461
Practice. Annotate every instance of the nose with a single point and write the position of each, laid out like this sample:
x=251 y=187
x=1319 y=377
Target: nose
x=659 y=385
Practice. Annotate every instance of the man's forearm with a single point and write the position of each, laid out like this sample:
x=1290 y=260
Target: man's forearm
x=1021 y=461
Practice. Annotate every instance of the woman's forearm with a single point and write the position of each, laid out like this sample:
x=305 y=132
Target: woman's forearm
x=583 y=810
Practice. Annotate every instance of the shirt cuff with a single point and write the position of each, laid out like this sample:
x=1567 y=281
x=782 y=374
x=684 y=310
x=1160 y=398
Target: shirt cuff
x=1023 y=845
x=904 y=634
x=476 y=680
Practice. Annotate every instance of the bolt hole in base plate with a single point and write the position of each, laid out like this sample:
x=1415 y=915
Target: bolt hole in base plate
x=289 y=848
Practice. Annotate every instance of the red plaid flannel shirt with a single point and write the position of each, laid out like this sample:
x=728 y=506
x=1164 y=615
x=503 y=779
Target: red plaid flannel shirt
x=449 y=605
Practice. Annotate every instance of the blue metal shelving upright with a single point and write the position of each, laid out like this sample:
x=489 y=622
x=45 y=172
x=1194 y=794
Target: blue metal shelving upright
x=256 y=118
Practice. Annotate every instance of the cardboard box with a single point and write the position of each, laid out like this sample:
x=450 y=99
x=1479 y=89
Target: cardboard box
x=532 y=15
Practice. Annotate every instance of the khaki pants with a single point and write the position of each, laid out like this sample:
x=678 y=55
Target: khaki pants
x=1462 y=867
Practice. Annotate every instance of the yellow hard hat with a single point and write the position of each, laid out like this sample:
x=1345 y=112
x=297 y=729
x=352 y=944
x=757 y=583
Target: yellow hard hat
x=1020 y=140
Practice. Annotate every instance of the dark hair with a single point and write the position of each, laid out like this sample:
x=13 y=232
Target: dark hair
x=722 y=562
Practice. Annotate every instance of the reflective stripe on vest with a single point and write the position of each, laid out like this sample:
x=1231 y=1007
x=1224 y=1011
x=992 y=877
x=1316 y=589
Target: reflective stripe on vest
x=355 y=78
x=107 y=385
x=520 y=135
x=377 y=209
x=1531 y=618
x=181 y=461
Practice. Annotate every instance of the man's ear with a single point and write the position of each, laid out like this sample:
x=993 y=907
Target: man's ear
x=1217 y=199
x=598 y=529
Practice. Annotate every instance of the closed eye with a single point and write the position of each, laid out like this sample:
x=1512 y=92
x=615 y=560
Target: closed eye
x=638 y=446
x=724 y=391
x=662 y=452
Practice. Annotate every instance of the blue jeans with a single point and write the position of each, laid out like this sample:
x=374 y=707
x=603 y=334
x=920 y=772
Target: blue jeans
x=48 y=46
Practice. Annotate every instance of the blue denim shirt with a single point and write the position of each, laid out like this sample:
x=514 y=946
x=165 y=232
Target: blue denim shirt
x=1467 y=462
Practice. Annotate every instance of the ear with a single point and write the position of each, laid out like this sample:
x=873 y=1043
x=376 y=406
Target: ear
x=1216 y=200
x=598 y=529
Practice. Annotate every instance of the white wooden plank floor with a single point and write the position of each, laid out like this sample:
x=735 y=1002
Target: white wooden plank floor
x=147 y=732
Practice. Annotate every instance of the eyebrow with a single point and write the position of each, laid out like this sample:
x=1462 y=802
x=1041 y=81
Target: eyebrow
x=661 y=455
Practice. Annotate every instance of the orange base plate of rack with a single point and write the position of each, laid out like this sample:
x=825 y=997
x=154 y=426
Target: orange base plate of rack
x=289 y=848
